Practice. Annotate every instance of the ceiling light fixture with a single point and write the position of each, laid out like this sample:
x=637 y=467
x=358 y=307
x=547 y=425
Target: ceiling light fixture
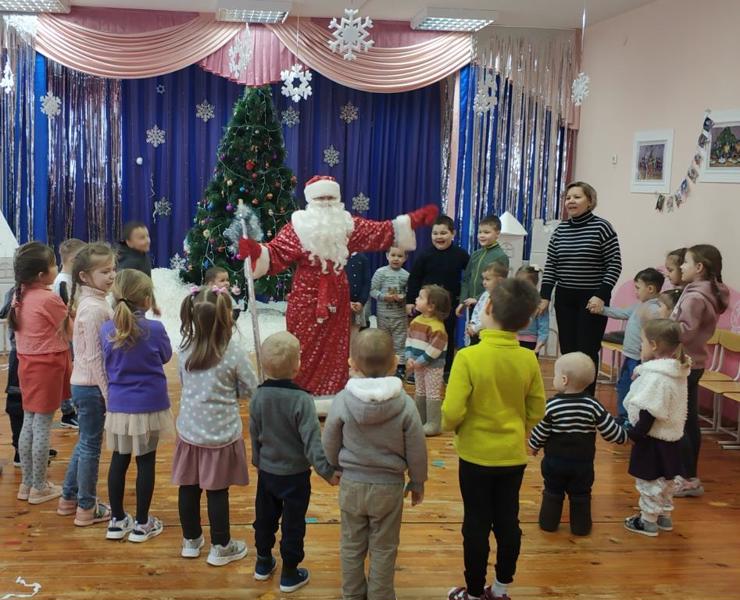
x=272 y=11
x=35 y=6
x=452 y=19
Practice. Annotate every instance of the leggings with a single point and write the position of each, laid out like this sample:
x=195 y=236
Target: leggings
x=144 y=484
x=33 y=446
x=218 y=513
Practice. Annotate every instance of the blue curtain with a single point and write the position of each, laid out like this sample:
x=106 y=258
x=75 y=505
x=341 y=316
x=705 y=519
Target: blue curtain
x=390 y=153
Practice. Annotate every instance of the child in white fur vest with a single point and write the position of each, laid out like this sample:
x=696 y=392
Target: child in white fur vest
x=656 y=407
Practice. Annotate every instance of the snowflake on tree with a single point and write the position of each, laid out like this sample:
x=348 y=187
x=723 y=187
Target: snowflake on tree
x=360 y=203
x=580 y=89
x=331 y=156
x=51 y=105
x=205 y=111
x=351 y=34
x=349 y=113
x=292 y=91
x=250 y=172
x=155 y=136
x=290 y=117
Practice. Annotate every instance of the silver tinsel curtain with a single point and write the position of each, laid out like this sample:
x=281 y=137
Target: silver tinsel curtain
x=85 y=147
x=515 y=156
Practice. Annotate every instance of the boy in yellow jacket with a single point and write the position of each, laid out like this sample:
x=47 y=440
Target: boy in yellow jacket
x=494 y=397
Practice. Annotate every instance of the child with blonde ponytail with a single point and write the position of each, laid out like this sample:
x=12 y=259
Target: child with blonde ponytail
x=656 y=407
x=135 y=350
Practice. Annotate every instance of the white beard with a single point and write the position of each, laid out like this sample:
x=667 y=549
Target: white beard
x=324 y=229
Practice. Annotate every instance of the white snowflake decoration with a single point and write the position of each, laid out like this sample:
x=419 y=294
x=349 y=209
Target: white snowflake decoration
x=485 y=96
x=161 y=89
x=7 y=83
x=51 y=105
x=178 y=263
x=290 y=117
x=349 y=113
x=26 y=25
x=289 y=89
x=351 y=34
x=580 y=89
x=331 y=156
x=162 y=208
x=360 y=202
x=155 y=136
x=205 y=111
x=240 y=53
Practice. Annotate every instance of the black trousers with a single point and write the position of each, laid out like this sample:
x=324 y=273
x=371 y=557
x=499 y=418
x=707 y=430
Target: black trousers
x=145 y=465
x=528 y=345
x=578 y=329
x=572 y=477
x=491 y=502
x=450 y=329
x=188 y=504
x=691 y=440
x=14 y=401
x=286 y=497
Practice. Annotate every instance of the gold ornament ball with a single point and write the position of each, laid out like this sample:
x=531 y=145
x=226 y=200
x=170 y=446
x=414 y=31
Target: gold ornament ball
x=206 y=233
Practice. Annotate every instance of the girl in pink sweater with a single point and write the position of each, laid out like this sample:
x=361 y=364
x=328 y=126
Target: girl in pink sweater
x=93 y=273
x=704 y=298
x=44 y=365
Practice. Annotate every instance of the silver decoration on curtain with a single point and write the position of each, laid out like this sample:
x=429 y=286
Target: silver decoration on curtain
x=17 y=118
x=85 y=147
x=518 y=155
x=448 y=108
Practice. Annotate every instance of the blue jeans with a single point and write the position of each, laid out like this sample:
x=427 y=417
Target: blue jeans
x=623 y=385
x=82 y=474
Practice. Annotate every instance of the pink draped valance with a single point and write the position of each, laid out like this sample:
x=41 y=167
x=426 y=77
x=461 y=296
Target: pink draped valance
x=131 y=55
x=380 y=69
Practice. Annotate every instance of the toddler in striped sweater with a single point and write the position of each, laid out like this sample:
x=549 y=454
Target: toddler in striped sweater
x=568 y=435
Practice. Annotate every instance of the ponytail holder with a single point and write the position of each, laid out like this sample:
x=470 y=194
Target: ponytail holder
x=217 y=290
x=194 y=290
x=537 y=268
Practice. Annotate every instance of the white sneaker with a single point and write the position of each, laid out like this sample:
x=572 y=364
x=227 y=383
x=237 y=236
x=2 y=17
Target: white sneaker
x=191 y=548
x=119 y=528
x=223 y=555
x=142 y=533
x=49 y=492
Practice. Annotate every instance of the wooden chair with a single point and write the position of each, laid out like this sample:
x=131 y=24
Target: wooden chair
x=734 y=443
x=615 y=365
x=728 y=342
x=714 y=372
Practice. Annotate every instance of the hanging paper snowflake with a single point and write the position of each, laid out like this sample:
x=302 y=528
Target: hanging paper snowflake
x=289 y=89
x=290 y=117
x=205 y=111
x=240 y=53
x=162 y=208
x=351 y=34
x=178 y=263
x=161 y=89
x=155 y=136
x=349 y=113
x=485 y=95
x=7 y=83
x=360 y=202
x=580 y=89
x=331 y=156
x=51 y=105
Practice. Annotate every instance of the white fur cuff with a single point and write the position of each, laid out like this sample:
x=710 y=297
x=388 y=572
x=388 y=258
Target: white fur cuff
x=403 y=236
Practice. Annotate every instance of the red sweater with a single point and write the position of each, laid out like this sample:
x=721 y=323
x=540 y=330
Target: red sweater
x=697 y=311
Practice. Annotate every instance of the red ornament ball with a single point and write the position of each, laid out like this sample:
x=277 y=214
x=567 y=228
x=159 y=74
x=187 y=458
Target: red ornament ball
x=255 y=201
x=254 y=175
x=250 y=165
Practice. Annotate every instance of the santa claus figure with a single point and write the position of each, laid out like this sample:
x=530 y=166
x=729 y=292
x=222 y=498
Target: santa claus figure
x=318 y=241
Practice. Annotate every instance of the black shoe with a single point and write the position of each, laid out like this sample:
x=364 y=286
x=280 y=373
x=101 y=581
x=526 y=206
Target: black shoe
x=410 y=379
x=70 y=421
x=295 y=580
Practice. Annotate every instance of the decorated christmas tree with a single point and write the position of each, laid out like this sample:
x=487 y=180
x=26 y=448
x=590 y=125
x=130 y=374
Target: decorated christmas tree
x=249 y=173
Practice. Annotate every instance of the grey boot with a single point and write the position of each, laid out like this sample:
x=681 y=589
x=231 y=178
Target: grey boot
x=421 y=406
x=433 y=426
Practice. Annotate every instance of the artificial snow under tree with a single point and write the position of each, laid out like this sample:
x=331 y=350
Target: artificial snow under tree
x=249 y=170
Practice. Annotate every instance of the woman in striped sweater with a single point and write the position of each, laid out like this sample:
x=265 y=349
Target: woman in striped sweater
x=584 y=262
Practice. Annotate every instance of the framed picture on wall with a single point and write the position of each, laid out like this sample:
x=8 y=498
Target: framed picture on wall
x=722 y=148
x=651 y=161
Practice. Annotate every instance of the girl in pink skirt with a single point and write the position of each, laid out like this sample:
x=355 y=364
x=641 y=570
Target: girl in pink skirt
x=210 y=453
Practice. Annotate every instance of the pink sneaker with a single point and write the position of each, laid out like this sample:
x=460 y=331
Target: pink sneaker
x=66 y=508
x=89 y=516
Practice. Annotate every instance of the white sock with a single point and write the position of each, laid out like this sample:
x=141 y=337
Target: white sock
x=499 y=589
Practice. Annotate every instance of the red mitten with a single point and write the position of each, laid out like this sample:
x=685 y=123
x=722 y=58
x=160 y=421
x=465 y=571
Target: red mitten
x=250 y=248
x=424 y=216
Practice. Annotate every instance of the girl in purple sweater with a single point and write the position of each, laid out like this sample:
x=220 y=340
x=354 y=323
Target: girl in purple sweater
x=135 y=350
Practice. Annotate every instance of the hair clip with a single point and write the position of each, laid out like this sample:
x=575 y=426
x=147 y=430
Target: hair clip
x=194 y=290
x=537 y=268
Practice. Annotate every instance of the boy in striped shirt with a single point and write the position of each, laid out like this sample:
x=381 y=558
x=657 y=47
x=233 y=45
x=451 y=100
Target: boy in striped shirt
x=568 y=435
x=426 y=349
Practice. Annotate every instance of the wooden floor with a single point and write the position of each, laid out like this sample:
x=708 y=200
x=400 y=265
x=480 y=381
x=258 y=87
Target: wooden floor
x=699 y=559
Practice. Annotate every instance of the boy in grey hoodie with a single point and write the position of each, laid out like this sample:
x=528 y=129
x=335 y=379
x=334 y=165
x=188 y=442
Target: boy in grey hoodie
x=286 y=442
x=374 y=434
